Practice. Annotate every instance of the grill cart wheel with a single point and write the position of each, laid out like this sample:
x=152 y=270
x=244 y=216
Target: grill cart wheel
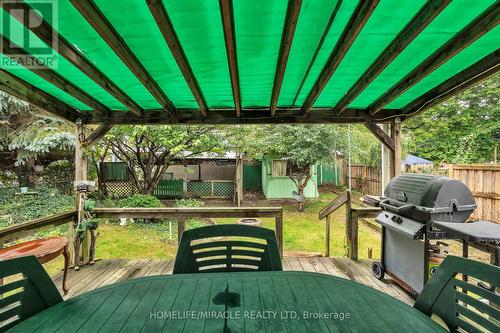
x=378 y=270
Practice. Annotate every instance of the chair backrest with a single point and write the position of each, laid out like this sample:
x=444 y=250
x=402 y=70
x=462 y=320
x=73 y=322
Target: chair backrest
x=25 y=290
x=199 y=253
x=463 y=305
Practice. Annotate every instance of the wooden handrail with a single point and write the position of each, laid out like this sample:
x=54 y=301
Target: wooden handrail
x=334 y=205
x=28 y=228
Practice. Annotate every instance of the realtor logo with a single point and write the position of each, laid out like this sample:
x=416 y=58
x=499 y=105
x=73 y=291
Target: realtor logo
x=29 y=34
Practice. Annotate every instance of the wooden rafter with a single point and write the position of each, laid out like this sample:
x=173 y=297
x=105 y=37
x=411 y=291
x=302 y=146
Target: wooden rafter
x=89 y=10
x=48 y=74
x=21 y=89
x=381 y=135
x=292 y=17
x=47 y=34
x=472 y=32
x=318 y=48
x=167 y=29
x=418 y=23
x=356 y=23
x=227 y=15
x=98 y=134
x=470 y=76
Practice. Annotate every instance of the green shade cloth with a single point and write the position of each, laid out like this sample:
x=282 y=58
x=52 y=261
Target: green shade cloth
x=258 y=28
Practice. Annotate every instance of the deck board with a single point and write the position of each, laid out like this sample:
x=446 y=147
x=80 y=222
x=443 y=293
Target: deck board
x=108 y=271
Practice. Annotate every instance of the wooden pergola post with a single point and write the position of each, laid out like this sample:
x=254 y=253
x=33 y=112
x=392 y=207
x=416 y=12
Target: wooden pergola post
x=81 y=164
x=396 y=153
x=386 y=160
x=82 y=145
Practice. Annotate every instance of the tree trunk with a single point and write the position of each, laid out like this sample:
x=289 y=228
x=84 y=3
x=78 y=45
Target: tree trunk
x=300 y=190
x=25 y=175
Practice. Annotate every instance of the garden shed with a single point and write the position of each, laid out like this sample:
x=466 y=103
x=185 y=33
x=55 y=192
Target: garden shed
x=277 y=185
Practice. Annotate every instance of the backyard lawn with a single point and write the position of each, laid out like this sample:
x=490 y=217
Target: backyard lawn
x=303 y=232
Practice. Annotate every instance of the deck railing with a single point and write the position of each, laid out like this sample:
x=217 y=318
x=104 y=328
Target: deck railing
x=181 y=214
x=25 y=229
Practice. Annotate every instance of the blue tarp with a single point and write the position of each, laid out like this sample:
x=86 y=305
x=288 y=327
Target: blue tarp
x=412 y=159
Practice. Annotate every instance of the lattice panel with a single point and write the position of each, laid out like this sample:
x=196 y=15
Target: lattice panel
x=120 y=189
x=223 y=189
x=213 y=189
x=201 y=189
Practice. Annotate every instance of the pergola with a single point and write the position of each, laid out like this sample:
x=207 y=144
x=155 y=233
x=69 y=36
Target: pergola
x=247 y=61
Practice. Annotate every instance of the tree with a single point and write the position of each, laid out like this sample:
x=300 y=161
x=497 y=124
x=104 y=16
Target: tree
x=28 y=133
x=149 y=150
x=301 y=145
x=459 y=130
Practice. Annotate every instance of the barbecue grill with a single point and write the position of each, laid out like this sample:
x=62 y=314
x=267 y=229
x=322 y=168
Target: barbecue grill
x=410 y=205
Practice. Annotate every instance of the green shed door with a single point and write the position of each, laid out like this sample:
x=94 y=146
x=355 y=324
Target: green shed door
x=252 y=178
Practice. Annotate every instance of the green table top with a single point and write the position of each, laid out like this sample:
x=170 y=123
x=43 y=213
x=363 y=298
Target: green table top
x=232 y=302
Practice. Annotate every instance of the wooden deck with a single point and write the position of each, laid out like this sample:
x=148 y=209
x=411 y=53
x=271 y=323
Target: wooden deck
x=105 y=272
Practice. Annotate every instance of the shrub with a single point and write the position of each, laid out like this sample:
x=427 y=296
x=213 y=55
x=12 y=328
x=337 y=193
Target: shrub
x=143 y=201
x=188 y=203
x=140 y=200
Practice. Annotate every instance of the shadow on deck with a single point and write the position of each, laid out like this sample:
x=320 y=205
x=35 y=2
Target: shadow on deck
x=109 y=271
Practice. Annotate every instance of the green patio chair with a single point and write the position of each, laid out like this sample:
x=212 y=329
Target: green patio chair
x=471 y=306
x=200 y=253
x=33 y=290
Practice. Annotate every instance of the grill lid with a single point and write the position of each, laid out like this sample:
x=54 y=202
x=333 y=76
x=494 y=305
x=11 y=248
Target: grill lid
x=426 y=197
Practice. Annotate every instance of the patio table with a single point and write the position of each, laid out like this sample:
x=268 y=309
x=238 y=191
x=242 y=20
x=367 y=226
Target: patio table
x=232 y=302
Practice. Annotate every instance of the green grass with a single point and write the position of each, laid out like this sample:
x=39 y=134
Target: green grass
x=303 y=231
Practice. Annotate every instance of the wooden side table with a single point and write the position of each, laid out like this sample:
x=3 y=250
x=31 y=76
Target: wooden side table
x=45 y=250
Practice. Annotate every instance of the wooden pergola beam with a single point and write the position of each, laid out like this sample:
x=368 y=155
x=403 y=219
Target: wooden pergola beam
x=46 y=33
x=417 y=24
x=292 y=17
x=21 y=89
x=227 y=15
x=89 y=10
x=17 y=54
x=381 y=135
x=470 y=76
x=356 y=23
x=167 y=29
x=248 y=116
x=472 y=32
x=98 y=134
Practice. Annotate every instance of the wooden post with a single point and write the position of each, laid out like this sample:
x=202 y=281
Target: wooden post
x=181 y=226
x=239 y=182
x=327 y=240
x=396 y=156
x=348 y=228
x=450 y=171
x=279 y=232
x=81 y=163
x=353 y=249
x=386 y=170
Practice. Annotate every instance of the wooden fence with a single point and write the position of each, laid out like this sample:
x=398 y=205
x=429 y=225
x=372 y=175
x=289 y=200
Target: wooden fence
x=484 y=182
x=365 y=179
